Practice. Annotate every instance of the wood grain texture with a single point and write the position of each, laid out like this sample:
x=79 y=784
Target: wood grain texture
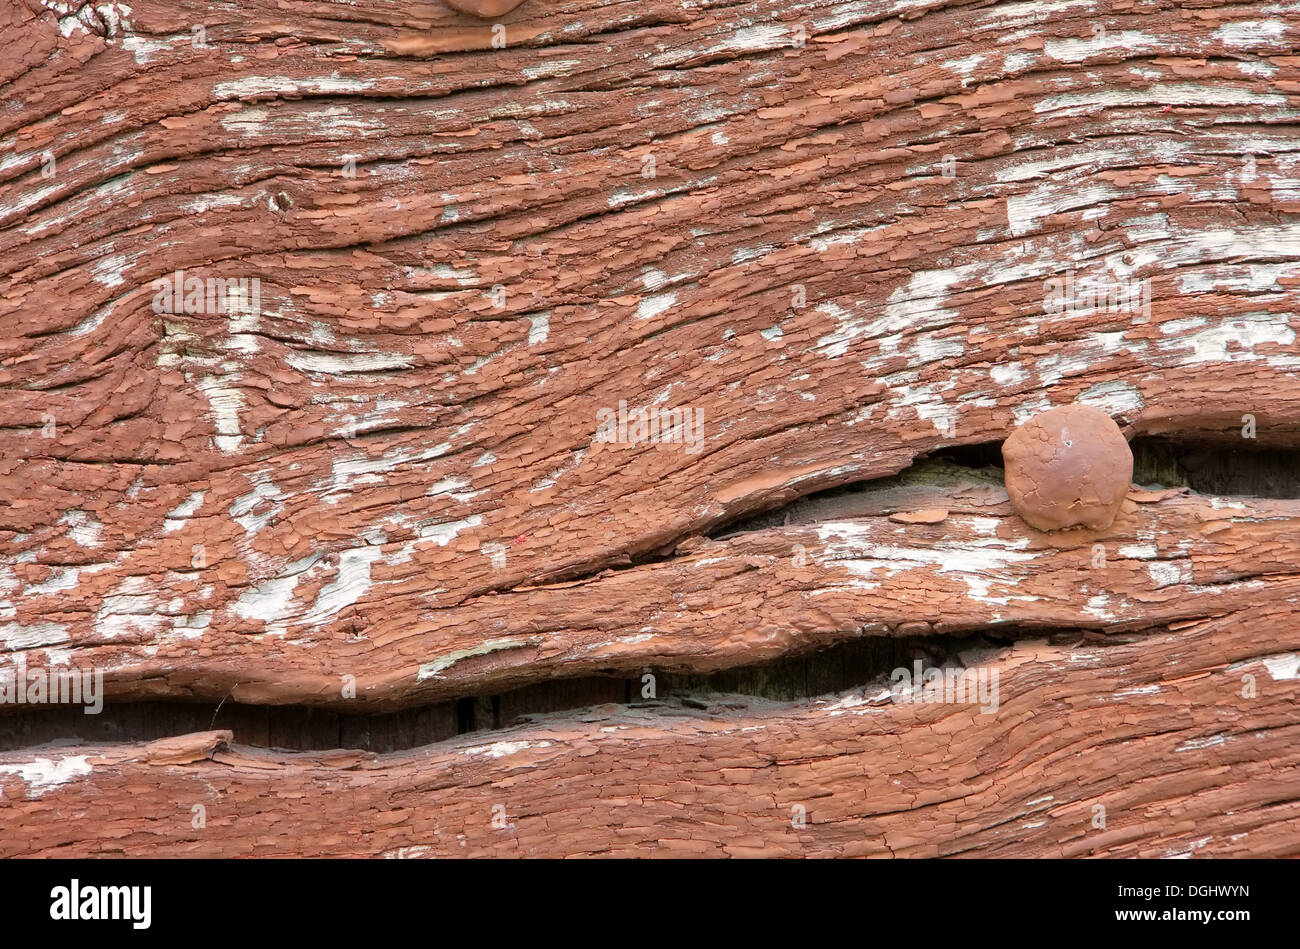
x=824 y=228
x=1206 y=772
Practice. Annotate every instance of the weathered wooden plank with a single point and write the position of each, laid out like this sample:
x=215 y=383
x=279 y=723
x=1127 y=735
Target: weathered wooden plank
x=1157 y=732
x=475 y=467
x=752 y=596
x=828 y=231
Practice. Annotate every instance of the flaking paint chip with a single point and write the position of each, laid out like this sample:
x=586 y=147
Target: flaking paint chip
x=931 y=515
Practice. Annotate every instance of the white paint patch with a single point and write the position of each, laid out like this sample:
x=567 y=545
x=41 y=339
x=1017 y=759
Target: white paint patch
x=339 y=121
x=495 y=551
x=274 y=86
x=1165 y=573
x=453 y=487
x=1173 y=93
x=1231 y=340
x=1185 y=854
x=411 y=852
x=852 y=235
x=264 y=494
x=1073 y=50
x=108 y=271
x=837 y=343
x=502 y=749
x=1196 y=744
x=145 y=49
x=1024 y=211
x=624 y=197
x=1247 y=278
x=15 y=636
x=929 y=347
x=225 y=401
x=1007 y=15
x=1098 y=607
x=347 y=473
x=177 y=516
x=432 y=670
x=1281 y=667
x=1139 y=690
x=929 y=405
x=747 y=39
x=652 y=306
x=349 y=585
x=1270 y=242
x=1073 y=160
x=465 y=276
x=539 y=328
x=1009 y=374
x=44 y=773
x=271 y=600
x=965 y=66
x=213 y=202
x=977 y=562
x=114 y=16
x=192 y=627
x=550 y=69
x=336 y=363
x=1143 y=551
x=1258 y=70
x=28 y=199
x=132 y=607
x=918 y=305
x=445 y=533
x=65 y=578
x=85 y=530
x=247 y=122
x=1114 y=397
x=1029 y=408
x=1252 y=34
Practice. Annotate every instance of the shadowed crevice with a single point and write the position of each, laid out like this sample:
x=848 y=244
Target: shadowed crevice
x=864 y=663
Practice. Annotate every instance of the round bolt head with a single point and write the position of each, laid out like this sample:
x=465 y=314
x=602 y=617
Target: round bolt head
x=1068 y=467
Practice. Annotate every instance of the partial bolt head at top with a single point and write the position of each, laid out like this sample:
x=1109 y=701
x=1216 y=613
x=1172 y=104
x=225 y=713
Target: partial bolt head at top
x=484 y=8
